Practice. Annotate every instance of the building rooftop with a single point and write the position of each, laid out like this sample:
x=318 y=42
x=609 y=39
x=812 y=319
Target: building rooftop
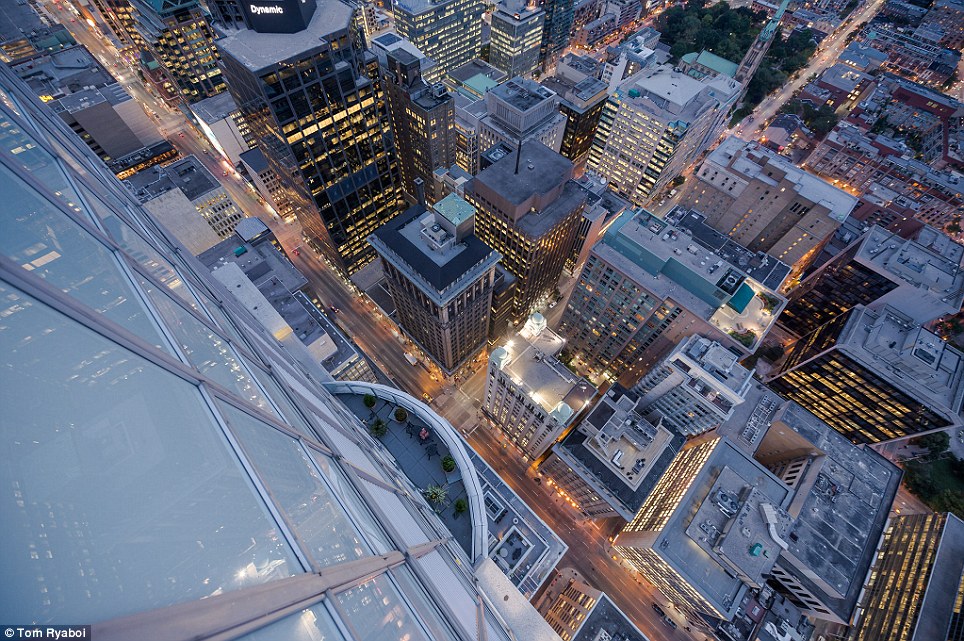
x=671 y=95
x=712 y=61
x=254 y=158
x=529 y=359
x=416 y=7
x=522 y=93
x=433 y=253
x=727 y=481
x=844 y=77
x=215 y=108
x=752 y=159
x=707 y=280
x=906 y=355
x=186 y=174
x=760 y=266
x=614 y=426
x=475 y=78
x=931 y=264
x=259 y=262
x=607 y=622
x=841 y=505
x=258 y=51
x=60 y=73
x=141 y=155
x=344 y=349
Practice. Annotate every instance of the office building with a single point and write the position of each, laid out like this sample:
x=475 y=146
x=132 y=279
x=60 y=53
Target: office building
x=655 y=125
x=516 y=37
x=178 y=56
x=449 y=32
x=90 y=100
x=608 y=466
x=650 y=283
x=220 y=120
x=266 y=182
x=503 y=297
x=916 y=582
x=440 y=277
x=184 y=194
x=24 y=33
x=158 y=153
x=422 y=115
x=695 y=388
x=579 y=612
x=518 y=111
x=212 y=482
x=632 y=55
x=344 y=183
x=875 y=375
x=603 y=209
x=593 y=32
x=729 y=517
x=921 y=278
x=473 y=79
x=555 y=30
x=582 y=97
x=529 y=210
x=766 y=203
x=529 y=394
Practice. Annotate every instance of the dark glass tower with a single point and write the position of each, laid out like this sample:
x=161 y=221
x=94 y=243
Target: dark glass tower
x=315 y=107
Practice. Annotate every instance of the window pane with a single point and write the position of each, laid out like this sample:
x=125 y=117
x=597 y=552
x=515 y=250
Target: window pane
x=43 y=240
x=290 y=415
x=312 y=624
x=376 y=612
x=425 y=607
x=121 y=494
x=207 y=351
x=342 y=488
x=25 y=153
x=317 y=517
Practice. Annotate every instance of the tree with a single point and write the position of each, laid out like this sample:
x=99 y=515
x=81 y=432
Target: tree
x=435 y=494
x=936 y=443
x=379 y=428
x=461 y=506
x=369 y=400
x=448 y=464
x=401 y=415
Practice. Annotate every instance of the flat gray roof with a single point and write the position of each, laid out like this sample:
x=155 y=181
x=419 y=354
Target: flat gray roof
x=606 y=617
x=186 y=174
x=257 y=51
x=540 y=171
x=215 y=108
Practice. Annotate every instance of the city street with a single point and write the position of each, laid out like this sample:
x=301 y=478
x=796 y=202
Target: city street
x=825 y=57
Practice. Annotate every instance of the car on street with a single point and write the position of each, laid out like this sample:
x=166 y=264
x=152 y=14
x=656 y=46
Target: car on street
x=668 y=621
x=658 y=609
x=426 y=398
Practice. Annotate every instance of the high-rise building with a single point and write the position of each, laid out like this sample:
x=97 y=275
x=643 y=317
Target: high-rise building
x=189 y=474
x=875 y=375
x=449 y=31
x=422 y=115
x=440 y=277
x=916 y=581
x=766 y=203
x=520 y=110
x=728 y=517
x=516 y=37
x=921 y=278
x=582 y=98
x=177 y=37
x=555 y=30
x=529 y=394
x=655 y=125
x=315 y=107
x=529 y=211
x=608 y=466
x=650 y=283
x=695 y=388
x=566 y=601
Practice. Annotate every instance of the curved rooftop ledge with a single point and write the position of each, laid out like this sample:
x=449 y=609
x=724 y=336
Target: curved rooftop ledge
x=451 y=439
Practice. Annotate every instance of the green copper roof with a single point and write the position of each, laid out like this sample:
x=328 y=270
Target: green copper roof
x=454 y=209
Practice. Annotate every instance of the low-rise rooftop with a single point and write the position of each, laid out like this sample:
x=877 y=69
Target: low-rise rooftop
x=606 y=622
x=186 y=174
x=522 y=93
x=671 y=95
x=215 y=108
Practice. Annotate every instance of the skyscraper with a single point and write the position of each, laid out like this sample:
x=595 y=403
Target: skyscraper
x=556 y=30
x=441 y=278
x=177 y=36
x=530 y=210
x=519 y=110
x=516 y=37
x=919 y=277
x=422 y=115
x=915 y=582
x=875 y=375
x=188 y=474
x=655 y=125
x=581 y=99
x=315 y=107
x=449 y=31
